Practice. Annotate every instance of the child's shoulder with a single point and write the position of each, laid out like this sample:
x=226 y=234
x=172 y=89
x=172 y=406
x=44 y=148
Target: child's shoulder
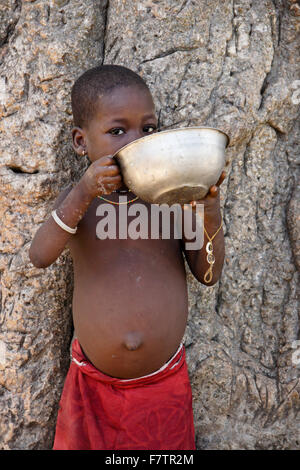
x=62 y=195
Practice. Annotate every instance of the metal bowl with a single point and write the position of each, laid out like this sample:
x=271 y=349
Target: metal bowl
x=174 y=166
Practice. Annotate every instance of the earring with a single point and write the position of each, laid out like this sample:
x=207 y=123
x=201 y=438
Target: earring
x=83 y=153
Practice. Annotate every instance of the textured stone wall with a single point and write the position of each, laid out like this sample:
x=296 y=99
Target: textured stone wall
x=233 y=64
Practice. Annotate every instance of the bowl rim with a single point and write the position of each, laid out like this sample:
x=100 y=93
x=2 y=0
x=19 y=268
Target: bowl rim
x=148 y=137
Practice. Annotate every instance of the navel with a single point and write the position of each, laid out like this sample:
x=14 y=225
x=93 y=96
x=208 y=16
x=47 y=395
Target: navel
x=133 y=340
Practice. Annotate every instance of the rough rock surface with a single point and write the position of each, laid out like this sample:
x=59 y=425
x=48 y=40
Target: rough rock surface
x=233 y=64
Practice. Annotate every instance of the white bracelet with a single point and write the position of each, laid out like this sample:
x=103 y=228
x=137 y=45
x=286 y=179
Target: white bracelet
x=62 y=225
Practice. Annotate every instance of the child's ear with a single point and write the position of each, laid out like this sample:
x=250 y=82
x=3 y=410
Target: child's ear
x=78 y=141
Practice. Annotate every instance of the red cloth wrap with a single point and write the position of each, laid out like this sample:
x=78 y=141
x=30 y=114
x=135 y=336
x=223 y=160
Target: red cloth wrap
x=99 y=412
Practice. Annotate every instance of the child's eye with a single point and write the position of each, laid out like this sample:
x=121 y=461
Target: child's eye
x=149 y=129
x=117 y=131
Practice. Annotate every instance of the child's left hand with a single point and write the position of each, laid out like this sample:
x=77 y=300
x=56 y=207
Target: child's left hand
x=211 y=201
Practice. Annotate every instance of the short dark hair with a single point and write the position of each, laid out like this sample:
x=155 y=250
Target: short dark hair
x=96 y=82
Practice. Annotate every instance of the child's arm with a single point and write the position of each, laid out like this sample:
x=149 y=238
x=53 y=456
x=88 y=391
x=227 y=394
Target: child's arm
x=197 y=259
x=102 y=177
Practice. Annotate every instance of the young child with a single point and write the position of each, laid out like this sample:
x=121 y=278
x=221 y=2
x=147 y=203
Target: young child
x=127 y=386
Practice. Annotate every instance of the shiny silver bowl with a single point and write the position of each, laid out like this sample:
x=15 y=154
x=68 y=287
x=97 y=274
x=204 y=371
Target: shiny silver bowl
x=174 y=166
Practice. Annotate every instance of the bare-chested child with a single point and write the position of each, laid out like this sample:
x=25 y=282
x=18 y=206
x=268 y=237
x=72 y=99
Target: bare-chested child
x=127 y=386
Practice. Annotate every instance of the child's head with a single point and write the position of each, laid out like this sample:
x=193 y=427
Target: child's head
x=112 y=106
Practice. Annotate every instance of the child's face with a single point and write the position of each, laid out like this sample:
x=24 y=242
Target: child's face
x=123 y=115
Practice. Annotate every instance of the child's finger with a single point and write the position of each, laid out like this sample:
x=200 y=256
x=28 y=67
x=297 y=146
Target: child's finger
x=213 y=190
x=221 y=179
x=112 y=179
x=107 y=160
x=110 y=170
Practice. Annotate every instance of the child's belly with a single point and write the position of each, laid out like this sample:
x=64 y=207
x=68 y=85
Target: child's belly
x=130 y=313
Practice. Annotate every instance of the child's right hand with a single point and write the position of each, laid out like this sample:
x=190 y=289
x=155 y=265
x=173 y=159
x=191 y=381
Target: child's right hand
x=102 y=177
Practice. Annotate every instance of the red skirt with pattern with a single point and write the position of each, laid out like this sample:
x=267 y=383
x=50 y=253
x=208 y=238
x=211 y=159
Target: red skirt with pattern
x=99 y=412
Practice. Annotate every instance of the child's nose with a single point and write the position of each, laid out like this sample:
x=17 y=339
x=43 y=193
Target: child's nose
x=134 y=135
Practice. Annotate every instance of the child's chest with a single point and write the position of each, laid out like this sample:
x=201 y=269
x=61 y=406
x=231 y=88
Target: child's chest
x=137 y=221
